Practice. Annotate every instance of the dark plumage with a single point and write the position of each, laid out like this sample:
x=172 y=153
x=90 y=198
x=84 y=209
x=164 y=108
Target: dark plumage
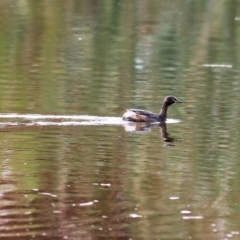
x=138 y=115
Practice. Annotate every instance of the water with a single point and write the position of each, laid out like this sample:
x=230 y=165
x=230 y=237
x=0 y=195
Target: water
x=71 y=168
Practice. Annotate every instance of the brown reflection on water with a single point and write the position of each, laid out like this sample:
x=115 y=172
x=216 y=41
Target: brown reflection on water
x=60 y=199
x=69 y=182
x=104 y=182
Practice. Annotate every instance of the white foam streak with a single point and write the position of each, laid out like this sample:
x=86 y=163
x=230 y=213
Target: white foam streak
x=63 y=120
x=40 y=116
x=218 y=65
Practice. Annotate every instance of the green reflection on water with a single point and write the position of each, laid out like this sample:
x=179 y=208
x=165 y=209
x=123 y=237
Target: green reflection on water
x=98 y=58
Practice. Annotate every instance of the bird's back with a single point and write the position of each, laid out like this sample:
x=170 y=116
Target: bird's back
x=139 y=115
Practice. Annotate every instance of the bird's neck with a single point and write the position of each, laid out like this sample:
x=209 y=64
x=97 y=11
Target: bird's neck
x=163 y=112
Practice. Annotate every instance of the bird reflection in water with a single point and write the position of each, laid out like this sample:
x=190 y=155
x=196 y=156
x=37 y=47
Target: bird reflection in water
x=146 y=127
x=165 y=135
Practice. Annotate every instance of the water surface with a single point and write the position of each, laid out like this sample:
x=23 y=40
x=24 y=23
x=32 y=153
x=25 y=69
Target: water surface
x=71 y=168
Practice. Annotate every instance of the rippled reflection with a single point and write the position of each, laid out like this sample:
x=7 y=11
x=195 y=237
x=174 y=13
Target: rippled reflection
x=146 y=127
x=71 y=168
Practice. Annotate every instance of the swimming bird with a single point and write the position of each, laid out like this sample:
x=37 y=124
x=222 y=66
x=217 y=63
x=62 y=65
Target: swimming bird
x=138 y=115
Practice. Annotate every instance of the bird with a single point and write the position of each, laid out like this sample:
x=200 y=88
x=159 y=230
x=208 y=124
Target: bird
x=139 y=115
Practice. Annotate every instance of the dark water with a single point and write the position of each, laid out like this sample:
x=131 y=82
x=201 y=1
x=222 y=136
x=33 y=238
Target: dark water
x=71 y=168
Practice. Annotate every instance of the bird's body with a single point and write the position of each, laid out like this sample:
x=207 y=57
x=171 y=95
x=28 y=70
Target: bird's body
x=138 y=115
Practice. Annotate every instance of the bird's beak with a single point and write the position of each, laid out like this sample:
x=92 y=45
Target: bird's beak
x=177 y=101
